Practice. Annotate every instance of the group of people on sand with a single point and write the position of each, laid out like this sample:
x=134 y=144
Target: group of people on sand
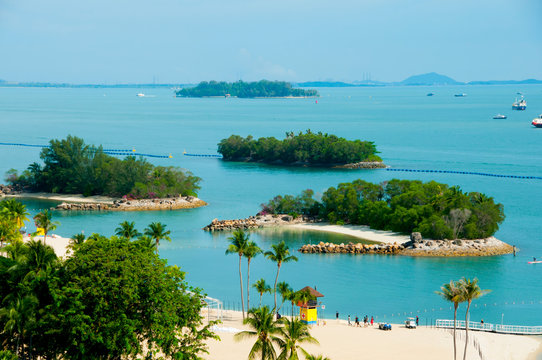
x=366 y=321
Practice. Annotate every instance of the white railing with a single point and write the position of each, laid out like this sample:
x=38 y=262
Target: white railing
x=504 y=329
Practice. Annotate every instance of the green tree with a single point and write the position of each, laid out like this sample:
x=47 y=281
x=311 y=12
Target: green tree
x=294 y=332
x=17 y=209
x=76 y=240
x=470 y=290
x=127 y=229
x=239 y=243
x=453 y=293
x=17 y=318
x=44 y=221
x=252 y=250
x=284 y=289
x=265 y=329
x=316 y=357
x=8 y=227
x=262 y=288
x=157 y=231
x=279 y=254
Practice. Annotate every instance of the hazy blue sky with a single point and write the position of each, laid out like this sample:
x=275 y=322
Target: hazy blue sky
x=116 y=41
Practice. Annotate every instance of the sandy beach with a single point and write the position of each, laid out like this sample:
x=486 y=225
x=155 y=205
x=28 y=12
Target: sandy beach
x=75 y=198
x=358 y=231
x=58 y=243
x=338 y=341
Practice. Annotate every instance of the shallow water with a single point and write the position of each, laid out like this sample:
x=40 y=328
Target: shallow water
x=410 y=129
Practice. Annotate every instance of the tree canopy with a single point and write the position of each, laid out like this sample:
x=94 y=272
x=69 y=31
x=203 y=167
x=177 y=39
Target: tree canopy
x=303 y=148
x=241 y=89
x=436 y=210
x=72 y=167
x=113 y=298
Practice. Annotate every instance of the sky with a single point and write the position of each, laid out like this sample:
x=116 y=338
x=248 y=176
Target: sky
x=187 y=41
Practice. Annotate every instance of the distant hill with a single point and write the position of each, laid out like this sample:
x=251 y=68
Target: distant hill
x=431 y=78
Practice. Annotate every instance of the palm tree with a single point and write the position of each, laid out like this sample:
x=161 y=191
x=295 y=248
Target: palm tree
x=76 y=240
x=316 y=357
x=39 y=256
x=252 y=250
x=8 y=228
x=17 y=209
x=147 y=242
x=17 y=317
x=239 y=245
x=452 y=292
x=293 y=333
x=44 y=221
x=265 y=329
x=280 y=254
x=157 y=231
x=127 y=230
x=470 y=290
x=284 y=289
x=262 y=288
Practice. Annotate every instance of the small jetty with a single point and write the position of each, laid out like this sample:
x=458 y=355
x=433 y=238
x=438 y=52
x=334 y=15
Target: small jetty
x=495 y=328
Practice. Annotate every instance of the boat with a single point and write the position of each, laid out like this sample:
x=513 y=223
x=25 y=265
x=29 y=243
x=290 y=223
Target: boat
x=500 y=116
x=520 y=104
x=534 y=262
x=140 y=95
x=430 y=94
x=537 y=122
x=460 y=95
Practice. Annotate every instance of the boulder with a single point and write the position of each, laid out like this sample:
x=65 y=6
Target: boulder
x=416 y=237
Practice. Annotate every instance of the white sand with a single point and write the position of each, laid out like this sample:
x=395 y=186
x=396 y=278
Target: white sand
x=72 y=198
x=338 y=341
x=358 y=231
x=59 y=244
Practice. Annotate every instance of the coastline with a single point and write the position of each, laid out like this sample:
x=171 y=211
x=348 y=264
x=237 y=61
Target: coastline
x=340 y=341
x=71 y=202
x=387 y=242
x=352 y=166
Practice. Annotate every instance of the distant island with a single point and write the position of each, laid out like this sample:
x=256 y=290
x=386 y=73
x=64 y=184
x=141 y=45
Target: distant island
x=72 y=167
x=303 y=149
x=241 y=89
x=224 y=88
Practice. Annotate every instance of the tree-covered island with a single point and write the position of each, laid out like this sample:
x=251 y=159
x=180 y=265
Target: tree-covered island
x=436 y=210
x=302 y=149
x=241 y=89
x=72 y=167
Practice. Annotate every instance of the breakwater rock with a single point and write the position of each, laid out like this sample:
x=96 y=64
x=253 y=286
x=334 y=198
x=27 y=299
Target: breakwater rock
x=480 y=247
x=172 y=203
x=363 y=165
x=255 y=222
x=9 y=190
x=351 y=248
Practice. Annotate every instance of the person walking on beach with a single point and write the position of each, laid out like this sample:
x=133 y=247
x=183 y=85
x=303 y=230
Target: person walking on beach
x=337 y=315
x=349 y=320
x=357 y=321
x=372 y=321
x=417 y=320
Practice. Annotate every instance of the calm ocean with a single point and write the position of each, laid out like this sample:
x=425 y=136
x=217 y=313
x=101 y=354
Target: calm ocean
x=410 y=129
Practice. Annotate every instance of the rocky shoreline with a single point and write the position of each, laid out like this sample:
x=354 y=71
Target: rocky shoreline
x=358 y=165
x=363 y=165
x=102 y=203
x=417 y=247
x=255 y=222
x=173 y=203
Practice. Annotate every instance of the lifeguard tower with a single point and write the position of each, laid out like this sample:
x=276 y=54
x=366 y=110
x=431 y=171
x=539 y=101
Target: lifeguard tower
x=308 y=311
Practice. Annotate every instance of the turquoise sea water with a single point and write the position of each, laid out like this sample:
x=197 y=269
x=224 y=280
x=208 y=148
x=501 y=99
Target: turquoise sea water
x=410 y=129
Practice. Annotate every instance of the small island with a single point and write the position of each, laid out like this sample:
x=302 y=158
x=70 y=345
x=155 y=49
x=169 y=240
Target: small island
x=241 y=89
x=405 y=217
x=303 y=149
x=85 y=177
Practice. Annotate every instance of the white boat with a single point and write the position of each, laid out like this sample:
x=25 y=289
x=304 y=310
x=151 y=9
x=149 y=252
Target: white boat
x=140 y=95
x=460 y=95
x=520 y=104
x=537 y=122
x=500 y=116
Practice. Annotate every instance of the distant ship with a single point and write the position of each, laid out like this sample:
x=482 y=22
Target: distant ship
x=537 y=122
x=499 y=116
x=520 y=104
x=460 y=95
x=430 y=94
x=140 y=95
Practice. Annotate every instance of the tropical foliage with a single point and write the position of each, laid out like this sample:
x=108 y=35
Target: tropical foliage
x=111 y=299
x=436 y=210
x=279 y=253
x=239 y=244
x=263 y=88
x=72 y=167
x=303 y=148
